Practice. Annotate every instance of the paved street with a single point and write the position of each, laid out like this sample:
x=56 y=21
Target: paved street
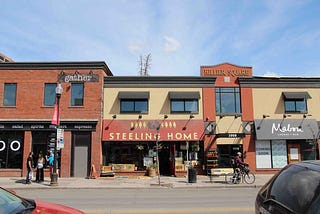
x=159 y=200
x=122 y=195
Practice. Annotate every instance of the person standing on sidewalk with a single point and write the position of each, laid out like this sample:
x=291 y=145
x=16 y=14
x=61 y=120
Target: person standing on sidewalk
x=29 y=168
x=50 y=161
x=40 y=165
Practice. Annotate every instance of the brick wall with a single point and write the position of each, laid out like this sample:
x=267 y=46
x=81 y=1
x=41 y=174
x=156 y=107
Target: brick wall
x=29 y=106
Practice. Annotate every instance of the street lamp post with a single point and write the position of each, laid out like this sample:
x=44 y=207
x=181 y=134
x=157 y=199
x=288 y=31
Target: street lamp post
x=54 y=177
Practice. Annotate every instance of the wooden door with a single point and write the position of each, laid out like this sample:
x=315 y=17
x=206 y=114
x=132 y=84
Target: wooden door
x=294 y=153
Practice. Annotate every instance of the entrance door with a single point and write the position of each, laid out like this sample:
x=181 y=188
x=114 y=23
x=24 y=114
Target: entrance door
x=294 y=154
x=81 y=154
x=164 y=159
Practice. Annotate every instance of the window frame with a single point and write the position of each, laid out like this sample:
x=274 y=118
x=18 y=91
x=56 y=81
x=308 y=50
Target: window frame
x=12 y=101
x=295 y=109
x=45 y=95
x=184 y=103
x=134 y=103
x=236 y=100
x=73 y=101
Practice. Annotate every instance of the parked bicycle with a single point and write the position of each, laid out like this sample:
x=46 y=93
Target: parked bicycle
x=241 y=175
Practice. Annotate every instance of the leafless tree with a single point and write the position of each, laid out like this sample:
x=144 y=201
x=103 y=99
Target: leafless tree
x=145 y=65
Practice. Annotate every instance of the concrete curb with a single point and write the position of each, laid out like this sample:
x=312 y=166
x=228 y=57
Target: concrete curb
x=130 y=183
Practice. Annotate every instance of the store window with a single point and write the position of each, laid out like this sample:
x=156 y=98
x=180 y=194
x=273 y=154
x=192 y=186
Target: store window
x=134 y=106
x=10 y=93
x=11 y=150
x=77 y=94
x=228 y=100
x=226 y=153
x=49 y=94
x=137 y=154
x=274 y=153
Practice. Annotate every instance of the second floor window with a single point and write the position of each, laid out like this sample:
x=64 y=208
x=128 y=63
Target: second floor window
x=77 y=93
x=134 y=105
x=228 y=100
x=296 y=102
x=184 y=106
x=10 y=93
x=49 y=94
x=295 y=106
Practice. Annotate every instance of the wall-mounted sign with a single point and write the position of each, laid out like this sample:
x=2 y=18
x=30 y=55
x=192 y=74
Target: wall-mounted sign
x=226 y=70
x=78 y=77
x=45 y=126
x=170 y=130
x=274 y=129
x=229 y=72
x=231 y=135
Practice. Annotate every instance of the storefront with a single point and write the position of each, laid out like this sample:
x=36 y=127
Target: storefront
x=29 y=109
x=17 y=137
x=132 y=146
x=283 y=141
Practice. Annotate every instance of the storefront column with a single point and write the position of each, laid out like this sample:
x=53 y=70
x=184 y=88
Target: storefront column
x=26 y=150
x=250 y=151
x=96 y=150
x=66 y=156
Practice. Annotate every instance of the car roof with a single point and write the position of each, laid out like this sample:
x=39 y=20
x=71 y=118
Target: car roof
x=310 y=164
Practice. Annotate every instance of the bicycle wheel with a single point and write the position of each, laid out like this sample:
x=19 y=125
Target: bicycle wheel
x=229 y=178
x=249 y=178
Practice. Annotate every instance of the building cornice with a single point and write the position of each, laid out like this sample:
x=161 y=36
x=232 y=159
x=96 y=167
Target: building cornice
x=158 y=81
x=279 y=82
x=56 y=66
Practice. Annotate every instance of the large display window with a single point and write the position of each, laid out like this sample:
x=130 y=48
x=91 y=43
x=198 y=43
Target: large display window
x=11 y=149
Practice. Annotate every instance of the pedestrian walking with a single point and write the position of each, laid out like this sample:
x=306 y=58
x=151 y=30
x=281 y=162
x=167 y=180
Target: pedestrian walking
x=29 y=168
x=40 y=166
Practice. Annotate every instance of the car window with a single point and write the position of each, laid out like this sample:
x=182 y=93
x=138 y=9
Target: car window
x=297 y=188
x=10 y=202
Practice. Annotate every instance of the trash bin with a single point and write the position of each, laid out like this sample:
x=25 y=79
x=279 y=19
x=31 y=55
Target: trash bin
x=192 y=175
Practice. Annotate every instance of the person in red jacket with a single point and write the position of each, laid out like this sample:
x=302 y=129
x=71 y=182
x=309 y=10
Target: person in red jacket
x=239 y=163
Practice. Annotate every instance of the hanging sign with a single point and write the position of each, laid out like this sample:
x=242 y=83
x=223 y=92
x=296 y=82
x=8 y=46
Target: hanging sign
x=60 y=136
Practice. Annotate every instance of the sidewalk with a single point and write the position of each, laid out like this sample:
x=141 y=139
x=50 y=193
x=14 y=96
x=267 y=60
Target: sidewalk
x=132 y=182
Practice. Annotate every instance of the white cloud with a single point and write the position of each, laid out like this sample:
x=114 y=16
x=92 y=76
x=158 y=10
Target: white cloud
x=271 y=74
x=171 y=44
x=135 y=46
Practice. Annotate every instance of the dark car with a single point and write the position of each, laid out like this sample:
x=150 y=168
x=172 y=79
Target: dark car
x=294 y=189
x=10 y=203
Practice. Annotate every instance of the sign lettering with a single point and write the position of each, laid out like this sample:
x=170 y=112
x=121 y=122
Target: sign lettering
x=230 y=72
x=78 y=77
x=152 y=136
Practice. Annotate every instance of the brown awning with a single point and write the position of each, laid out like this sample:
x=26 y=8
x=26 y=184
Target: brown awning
x=296 y=95
x=133 y=95
x=184 y=95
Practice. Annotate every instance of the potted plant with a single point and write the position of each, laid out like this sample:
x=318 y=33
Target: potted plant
x=151 y=170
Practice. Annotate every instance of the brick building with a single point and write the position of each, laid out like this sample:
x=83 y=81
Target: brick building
x=27 y=94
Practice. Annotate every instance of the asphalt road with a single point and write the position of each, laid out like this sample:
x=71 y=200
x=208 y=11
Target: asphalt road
x=166 y=200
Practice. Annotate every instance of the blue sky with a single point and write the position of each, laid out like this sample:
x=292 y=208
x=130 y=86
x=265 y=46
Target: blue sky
x=275 y=37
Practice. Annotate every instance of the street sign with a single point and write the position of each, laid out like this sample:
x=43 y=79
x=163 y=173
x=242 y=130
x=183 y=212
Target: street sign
x=60 y=136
